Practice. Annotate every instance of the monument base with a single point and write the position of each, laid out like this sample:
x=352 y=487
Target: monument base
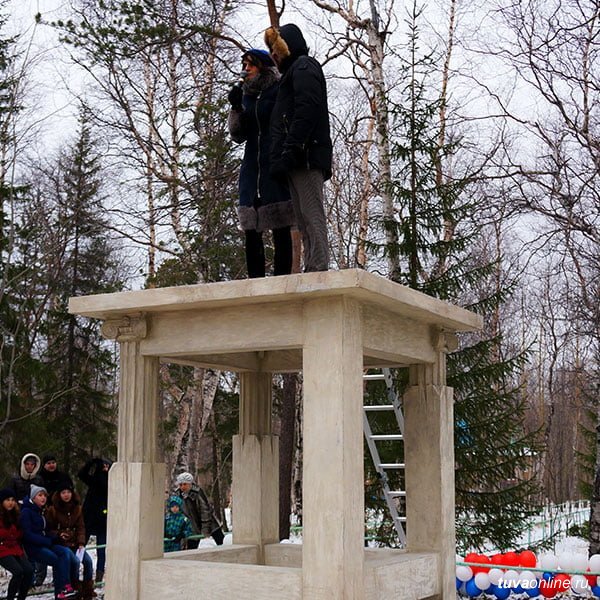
x=231 y=572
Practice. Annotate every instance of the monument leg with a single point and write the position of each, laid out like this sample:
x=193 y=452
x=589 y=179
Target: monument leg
x=333 y=500
x=255 y=467
x=429 y=458
x=136 y=481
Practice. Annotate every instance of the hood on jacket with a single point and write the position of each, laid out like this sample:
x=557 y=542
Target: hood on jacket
x=28 y=504
x=175 y=500
x=24 y=474
x=286 y=43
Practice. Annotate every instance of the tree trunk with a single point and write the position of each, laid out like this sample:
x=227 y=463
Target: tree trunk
x=595 y=503
x=286 y=453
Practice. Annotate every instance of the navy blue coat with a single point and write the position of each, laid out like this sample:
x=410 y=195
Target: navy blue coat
x=33 y=524
x=264 y=202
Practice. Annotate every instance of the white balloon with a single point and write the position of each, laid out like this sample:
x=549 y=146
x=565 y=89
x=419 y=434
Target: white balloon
x=482 y=581
x=549 y=562
x=565 y=561
x=529 y=577
x=594 y=563
x=510 y=575
x=464 y=573
x=580 y=562
x=495 y=575
x=579 y=583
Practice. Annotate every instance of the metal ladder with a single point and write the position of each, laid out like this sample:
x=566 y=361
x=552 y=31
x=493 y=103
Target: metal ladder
x=395 y=405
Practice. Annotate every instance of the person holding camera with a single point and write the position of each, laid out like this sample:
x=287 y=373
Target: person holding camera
x=264 y=203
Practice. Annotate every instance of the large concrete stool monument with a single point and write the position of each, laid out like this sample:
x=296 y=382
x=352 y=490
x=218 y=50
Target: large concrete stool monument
x=330 y=326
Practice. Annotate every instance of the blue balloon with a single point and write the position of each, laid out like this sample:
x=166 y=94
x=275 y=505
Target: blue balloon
x=596 y=590
x=533 y=592
x=471 y=589
x=501 y=593
x=547 y=576
x=458 y=583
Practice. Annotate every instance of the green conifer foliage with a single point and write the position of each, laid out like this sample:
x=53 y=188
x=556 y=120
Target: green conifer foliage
x=81 y=421
x=444 y=254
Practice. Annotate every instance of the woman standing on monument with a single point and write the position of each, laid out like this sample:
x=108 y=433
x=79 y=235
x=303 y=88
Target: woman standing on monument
x=264 y=203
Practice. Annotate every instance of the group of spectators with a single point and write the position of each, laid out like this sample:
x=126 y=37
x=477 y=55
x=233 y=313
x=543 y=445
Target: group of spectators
x=43 y=522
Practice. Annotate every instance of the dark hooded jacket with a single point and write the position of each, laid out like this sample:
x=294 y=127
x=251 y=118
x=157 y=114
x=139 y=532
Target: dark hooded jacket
x=300 y=119
x=264 y=202
x=96 y=499
x=21 y=483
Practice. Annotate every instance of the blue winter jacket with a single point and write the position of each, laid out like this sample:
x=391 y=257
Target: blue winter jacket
x=33 y=524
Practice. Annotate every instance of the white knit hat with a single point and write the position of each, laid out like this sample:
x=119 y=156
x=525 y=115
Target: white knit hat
x=184 y=478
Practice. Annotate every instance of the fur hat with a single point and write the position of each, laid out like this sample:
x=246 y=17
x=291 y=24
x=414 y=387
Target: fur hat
x=35 y=490
x=6 y=493
x=276 y=44
x=184 y=478
x=285 y=41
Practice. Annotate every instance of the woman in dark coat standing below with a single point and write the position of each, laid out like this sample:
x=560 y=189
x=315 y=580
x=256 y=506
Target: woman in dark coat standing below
x=264 y=202
x=95 y=475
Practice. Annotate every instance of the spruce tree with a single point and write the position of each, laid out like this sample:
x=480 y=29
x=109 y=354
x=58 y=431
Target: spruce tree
x=81 y=422
x=442 y=254
x=21 y=369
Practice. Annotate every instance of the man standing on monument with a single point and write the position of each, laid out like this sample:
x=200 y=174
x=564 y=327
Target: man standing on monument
x=301 y=148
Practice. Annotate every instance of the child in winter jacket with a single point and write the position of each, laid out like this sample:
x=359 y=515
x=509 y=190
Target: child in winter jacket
x=12 y=555
x=65 y=520
x=43 y=547
x=177 y=525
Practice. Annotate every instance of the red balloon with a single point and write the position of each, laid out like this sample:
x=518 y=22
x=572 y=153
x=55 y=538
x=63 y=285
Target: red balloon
x=562 y=582
x=473 y=557
x=486 y=560
x=547 y=589
x=591 y=579
x=527 y=559
x=511 y=559
x=497 y=559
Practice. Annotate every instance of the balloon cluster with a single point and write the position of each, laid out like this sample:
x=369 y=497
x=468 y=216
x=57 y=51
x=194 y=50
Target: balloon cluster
x=523 y=573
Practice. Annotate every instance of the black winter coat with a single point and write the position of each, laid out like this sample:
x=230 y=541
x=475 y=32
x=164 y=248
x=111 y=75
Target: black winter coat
x=96 y=498
x=300 y=119
x=264 y=202
x=55 y=481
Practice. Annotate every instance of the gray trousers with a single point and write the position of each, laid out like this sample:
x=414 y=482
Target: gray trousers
x=306 y=190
